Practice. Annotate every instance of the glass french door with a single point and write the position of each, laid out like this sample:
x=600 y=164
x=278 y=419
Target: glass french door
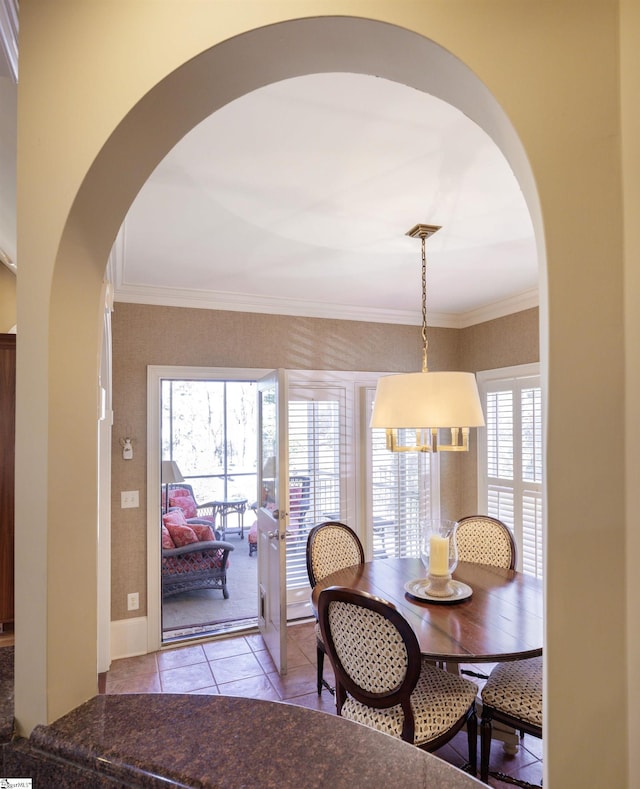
x=272 y=516
x=208 y=428
x=298 y=447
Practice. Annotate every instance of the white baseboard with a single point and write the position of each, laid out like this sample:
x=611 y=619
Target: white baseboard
x=129 y=637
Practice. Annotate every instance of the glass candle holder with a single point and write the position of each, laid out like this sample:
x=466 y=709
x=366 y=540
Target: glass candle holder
x=439 y=555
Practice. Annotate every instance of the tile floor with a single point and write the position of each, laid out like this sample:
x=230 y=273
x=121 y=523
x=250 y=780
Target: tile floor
x=241 y=666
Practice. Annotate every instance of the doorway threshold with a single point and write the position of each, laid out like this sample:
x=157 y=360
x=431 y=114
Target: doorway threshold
x=209 y=630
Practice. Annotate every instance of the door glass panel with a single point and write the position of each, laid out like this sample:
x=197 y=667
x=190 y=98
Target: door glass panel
x=209 y=429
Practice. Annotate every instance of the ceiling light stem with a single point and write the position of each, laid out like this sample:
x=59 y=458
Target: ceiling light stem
x=425 y=341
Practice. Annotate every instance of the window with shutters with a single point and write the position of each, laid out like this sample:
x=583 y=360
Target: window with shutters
x=340 y=469
x=402 y=492
x=317 y=460
x=510 y=458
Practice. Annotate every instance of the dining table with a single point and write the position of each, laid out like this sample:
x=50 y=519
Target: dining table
x=501 y=618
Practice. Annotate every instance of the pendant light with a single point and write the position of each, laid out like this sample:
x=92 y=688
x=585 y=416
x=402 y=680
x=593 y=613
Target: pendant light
x=427 y=402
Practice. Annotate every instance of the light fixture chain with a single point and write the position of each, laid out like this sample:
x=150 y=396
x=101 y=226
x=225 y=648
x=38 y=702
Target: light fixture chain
x=425 y=341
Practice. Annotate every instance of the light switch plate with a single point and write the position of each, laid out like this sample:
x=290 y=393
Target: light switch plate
x=129 y=498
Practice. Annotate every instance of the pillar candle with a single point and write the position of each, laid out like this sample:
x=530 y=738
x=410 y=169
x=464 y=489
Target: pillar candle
x=438 y=555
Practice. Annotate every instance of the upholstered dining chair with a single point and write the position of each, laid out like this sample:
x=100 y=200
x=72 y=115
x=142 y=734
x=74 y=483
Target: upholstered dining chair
x=512 y=695
x=331 y=546
x=485 y=540
x=382 y=680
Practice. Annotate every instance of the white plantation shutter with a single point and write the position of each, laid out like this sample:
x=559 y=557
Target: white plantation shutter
x=510 y=460
x=340 y=469
x=532 y=534
x=499 y=409
x=399 y=493
x=531 y=430
x=316 y=435
x=532 y=547
x=500 y=503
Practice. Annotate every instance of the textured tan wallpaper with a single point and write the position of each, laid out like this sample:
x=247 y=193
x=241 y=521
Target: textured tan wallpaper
x=148 y=335
x=504 y=342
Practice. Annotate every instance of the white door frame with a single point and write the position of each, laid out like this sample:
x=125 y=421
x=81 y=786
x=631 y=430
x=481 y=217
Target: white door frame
x=155 y=374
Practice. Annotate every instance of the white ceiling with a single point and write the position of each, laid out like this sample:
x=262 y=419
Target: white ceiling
x=295 y=199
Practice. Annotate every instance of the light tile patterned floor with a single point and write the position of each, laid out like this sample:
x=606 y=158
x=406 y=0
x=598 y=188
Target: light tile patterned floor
x=241 y=666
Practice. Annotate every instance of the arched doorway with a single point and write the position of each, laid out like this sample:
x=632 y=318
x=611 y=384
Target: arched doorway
x=140 y=140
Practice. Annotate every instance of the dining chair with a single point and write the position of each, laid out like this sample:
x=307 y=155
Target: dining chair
x=382 y=680
x=331 y=546
x=512 y=695
x=485 y=540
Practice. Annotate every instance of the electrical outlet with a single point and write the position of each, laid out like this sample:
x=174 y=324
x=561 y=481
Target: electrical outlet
x=129 y=498
x=133 y=601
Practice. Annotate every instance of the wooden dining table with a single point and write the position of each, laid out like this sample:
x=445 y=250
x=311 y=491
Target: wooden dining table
x=501 y=620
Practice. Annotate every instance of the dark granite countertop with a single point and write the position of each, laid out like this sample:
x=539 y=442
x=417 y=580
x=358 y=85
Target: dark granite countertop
x=222 y=741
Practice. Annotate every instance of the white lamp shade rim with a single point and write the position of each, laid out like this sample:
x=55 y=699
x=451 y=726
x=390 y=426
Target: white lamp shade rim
x=170 y=472
x=427 y=400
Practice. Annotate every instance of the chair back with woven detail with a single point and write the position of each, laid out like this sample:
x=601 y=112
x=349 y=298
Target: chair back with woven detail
x=375 y=653
x=485 y=540
x=331 y=546
x=382 y=680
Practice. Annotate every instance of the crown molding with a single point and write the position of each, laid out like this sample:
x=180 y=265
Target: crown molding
x=242 y=302
x=195 y=298
x=499 y=309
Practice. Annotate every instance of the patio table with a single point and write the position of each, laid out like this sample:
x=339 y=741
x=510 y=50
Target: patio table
x=226 y=507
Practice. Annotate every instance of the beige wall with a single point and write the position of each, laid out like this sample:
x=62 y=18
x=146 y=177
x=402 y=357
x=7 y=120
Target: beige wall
x=7 y=299
x=555 y=84
x=147 y=335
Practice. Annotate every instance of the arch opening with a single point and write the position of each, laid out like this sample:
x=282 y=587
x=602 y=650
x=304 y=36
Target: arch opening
x=140 y=140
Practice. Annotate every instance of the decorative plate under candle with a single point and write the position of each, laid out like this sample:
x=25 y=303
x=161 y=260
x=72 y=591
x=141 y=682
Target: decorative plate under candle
x=418 y=588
